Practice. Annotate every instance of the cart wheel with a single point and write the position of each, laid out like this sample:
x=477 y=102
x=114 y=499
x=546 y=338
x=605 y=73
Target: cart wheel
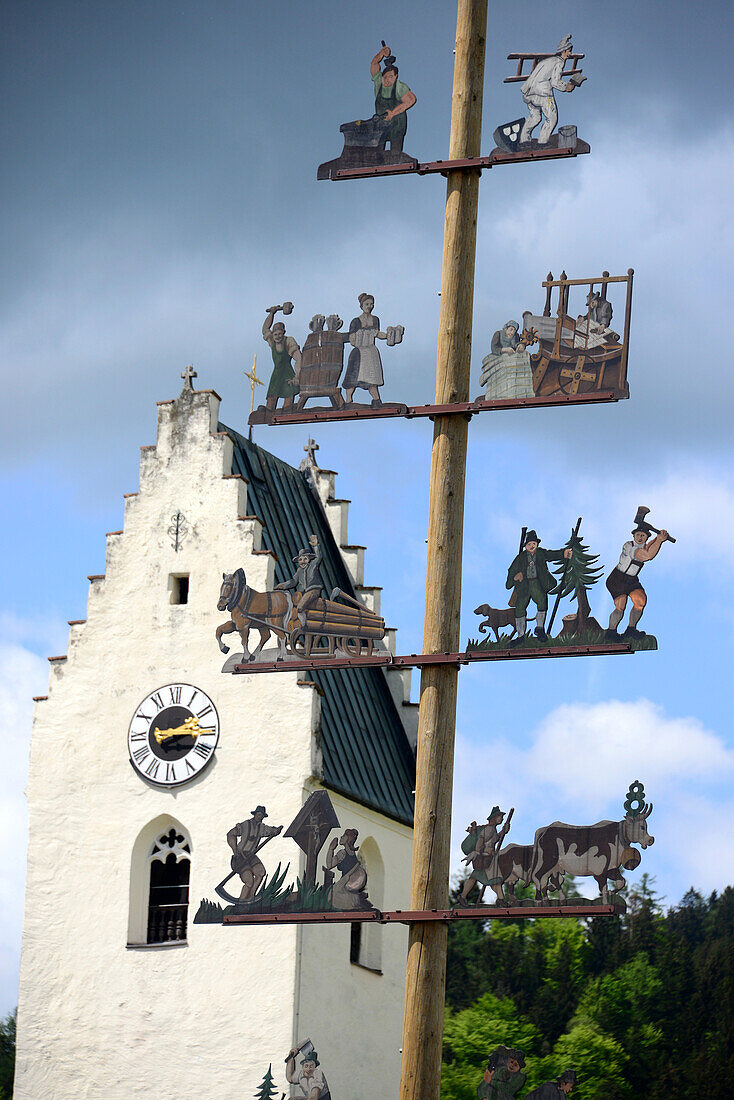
x=370 y=647
x=352 y=647
x=301 y=644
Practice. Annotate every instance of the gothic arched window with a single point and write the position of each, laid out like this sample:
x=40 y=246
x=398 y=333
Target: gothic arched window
x=169 y=859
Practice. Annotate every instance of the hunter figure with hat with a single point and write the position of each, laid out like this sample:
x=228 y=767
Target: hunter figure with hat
x=623 y=581
x=308 y=1078
x=481 y=847
x=246 y=839
x=531 y=579
x=538 y=93
x=306 y=579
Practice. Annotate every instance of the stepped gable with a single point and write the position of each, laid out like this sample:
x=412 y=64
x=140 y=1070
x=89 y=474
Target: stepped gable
x=366 y=752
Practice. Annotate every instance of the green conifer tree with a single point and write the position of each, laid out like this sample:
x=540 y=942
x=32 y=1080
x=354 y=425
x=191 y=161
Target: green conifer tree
x=267 y=1089
x=581 y=574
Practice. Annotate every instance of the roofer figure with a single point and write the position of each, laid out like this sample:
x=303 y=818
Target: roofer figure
x=393 y=98
x=538 y=93
x=306 y=579
x=505 y=340
x=245 y=839
x=531 y=579
x=623 y=581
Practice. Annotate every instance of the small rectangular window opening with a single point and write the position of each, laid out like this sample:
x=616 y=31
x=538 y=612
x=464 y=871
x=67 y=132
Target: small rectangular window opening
x=180 y=588
x=355 y=942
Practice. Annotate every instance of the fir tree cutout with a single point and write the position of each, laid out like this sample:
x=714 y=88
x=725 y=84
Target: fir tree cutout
x=267 y=1089
x=581 y=574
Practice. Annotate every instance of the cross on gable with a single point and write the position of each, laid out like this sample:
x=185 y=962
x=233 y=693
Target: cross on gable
x=188 y=375
x=310 y=449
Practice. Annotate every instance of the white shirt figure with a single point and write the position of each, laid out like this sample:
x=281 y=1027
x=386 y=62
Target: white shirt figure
x=538 y=89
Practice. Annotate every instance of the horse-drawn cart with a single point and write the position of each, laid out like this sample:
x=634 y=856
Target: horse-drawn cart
x=338 y=626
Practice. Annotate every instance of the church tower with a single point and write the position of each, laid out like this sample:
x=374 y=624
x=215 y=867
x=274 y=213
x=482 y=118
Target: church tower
x=121 y=993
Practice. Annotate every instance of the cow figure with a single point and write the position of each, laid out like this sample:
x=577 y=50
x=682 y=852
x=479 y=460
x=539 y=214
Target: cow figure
x=599 y=851
x=515 y=864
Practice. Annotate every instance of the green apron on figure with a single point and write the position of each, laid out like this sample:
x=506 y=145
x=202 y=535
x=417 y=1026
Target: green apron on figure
x=282 y=374
x=386 y=100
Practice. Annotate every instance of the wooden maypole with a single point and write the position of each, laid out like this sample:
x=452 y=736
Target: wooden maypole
x=426 y=967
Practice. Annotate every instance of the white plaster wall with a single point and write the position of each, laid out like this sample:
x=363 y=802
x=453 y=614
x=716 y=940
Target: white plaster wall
x=353 y=1016
x=97 y=1018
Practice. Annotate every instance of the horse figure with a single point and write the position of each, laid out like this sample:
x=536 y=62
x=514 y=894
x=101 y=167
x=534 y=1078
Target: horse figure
x=263 y=611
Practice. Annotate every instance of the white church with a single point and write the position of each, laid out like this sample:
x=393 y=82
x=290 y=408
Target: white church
x=121 y=994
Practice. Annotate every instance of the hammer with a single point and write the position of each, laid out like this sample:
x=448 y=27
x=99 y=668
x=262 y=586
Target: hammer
x=640 y=514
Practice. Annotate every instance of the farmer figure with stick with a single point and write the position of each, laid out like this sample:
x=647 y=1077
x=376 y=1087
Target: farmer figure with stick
x=531 y=579
x=481 y=847
x=246 y=839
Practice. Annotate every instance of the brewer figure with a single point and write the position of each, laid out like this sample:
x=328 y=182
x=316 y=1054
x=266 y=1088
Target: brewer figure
x=531 y=579
x=245 y=839
x=624 y=582
x=393 y=98
x=286 y=359
x=538 y=93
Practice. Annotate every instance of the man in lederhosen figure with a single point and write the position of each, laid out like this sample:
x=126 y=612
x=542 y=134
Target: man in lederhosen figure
x=623 y=581
x=306 y=579
x=393 y=98
x=244 y=840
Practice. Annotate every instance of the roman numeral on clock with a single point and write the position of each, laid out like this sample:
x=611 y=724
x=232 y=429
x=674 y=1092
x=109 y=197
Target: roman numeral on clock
x=203 y=750
x=175 y=693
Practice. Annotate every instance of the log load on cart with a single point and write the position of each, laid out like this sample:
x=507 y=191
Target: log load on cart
x=583 y=354
x=338 y=626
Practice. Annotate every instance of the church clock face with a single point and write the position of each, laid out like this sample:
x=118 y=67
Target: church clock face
x=173 y=734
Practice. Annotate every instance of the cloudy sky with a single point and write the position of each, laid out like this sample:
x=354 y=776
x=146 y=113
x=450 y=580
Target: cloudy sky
x=159 y=191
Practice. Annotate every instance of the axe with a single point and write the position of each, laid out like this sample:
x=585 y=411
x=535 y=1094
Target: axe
x=305 y=1048
x=640 y=514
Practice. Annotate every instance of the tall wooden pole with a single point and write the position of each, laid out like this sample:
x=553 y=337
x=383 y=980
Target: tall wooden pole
x=426 y=967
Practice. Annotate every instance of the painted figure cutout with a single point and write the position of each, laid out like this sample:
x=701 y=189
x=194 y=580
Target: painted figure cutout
x=304 y=624
x=364 y=368
x=298 y=376
x=348 y=892
x=343 y=888
x=530 y=580
x=600 y=851
x=366 y=140
x=624 y=580
x=504 y=1078
x=536 y=574
x=482 y=847
x=548 y=74
x=563 y=1085
x=307 y=1077
x=576 y=354
x=286 y=359
x=246 y=839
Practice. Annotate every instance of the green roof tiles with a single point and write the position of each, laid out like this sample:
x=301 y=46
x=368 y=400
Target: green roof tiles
x=366 y=754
